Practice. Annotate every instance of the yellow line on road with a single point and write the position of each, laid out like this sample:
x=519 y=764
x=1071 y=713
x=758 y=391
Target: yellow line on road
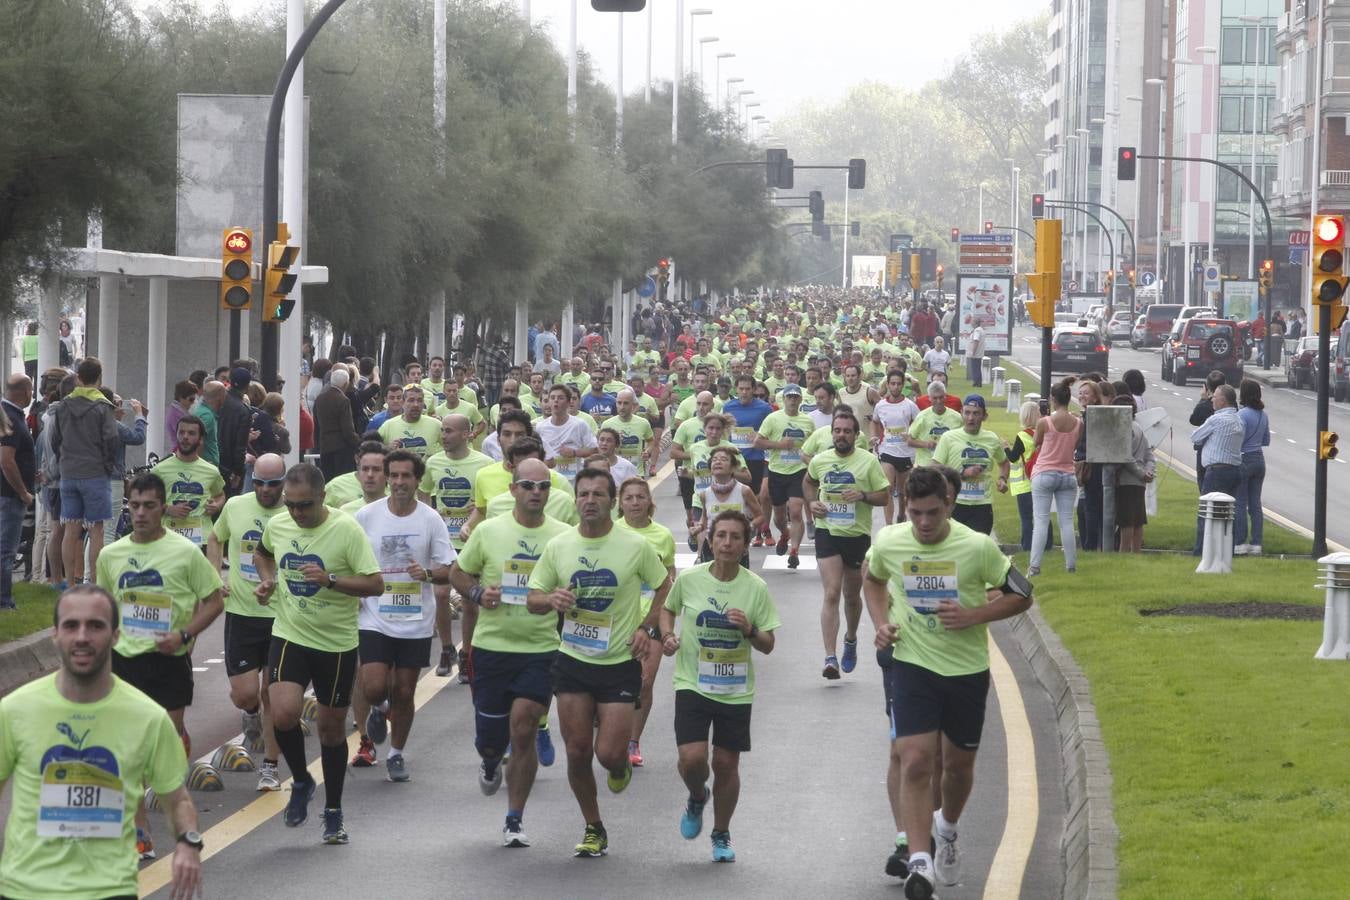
x=1019 y=828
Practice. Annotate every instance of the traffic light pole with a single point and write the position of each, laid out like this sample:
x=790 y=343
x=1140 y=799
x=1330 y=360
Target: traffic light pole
x=1319 y=548
x=1047 y=336
x=1129 y=232
x=1110 y=244
x=269 y=355
x=236 y=328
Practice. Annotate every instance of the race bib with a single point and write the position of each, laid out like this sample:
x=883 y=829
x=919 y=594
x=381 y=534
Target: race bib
x=146 y=614
x=743 y=438
x=516 y=581
x=972 y=490
x=454 y=521
x=790 y=456
x=401 y=600
x=839 y=514
x=702 y=479
x=928 y=583
x=724 y=671
x=587 y=632
x=193 y=533
x=566 y=467
x=79 y=800
x=247 y=570
x=895 y=437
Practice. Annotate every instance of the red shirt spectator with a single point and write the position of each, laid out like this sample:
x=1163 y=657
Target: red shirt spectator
x=306 y=430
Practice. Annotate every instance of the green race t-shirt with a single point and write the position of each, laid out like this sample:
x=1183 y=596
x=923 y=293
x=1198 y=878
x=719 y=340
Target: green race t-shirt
x=920 y=576
x=449 y=483
x=466 y=408
x=835 y=474
x=820 y=440
x=930 y=425
x=422 y=437
x=688 y=408
x=688 y=434
x=663 y=542
x=157 y=586
x=489 y=481
x=342 y=490
x=606 y=575
x=193 y=483
x=700 y=462
x=958 y=449
x=714 y=656
x=633 y=435
x=559 y=505
x=313 y=615
x=502 y=552
x=239 y=528
x=79 y=771
x=778 y=425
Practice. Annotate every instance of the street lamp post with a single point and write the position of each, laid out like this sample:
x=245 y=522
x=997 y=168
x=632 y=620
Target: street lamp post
x=1085 y=155
x=703 y=43
x=1251 y=202
x=1014 y=210
x=740 y=102
x=694 y=13
x=1158 y=83
x=676 y=80
x=745 y=113
x=717 y=73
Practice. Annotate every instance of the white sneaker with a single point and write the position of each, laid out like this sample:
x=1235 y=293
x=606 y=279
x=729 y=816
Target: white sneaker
x=267 y=778
x=1253 y=549
x=1242 y=550
x=919 y=881
x=946 y=859
x=489 y=785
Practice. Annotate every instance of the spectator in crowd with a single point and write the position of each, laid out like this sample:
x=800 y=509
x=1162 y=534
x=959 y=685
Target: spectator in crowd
x=1219 y=441
x=1131 y=480
x=85 y=442
x=337 y=437
x=1255 y=437
x=18 y=478
x=1204 y=408
x=131 y=426
x=184 y=398
x=234 y=419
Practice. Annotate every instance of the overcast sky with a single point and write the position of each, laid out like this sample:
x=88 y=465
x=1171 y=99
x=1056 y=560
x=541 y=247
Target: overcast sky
x=788 y=51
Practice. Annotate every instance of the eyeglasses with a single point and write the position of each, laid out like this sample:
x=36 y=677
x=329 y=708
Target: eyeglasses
x=269 y=482
x=526 y=484
x=299 y=504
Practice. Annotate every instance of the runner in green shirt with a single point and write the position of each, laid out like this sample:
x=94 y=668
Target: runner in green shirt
x=931 y=424
x=927 y=594
x=196 y=491
x=724 y=612
x=593 y=577
x=842 y=486
x=783 y=432
x=635 y=432
x=976 y=453
x=412 y=430
x=82 y=746
x=319 y=565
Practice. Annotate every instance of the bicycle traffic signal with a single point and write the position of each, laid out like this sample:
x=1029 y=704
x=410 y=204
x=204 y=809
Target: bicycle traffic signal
x=1328 y=260
x=278 y=280
x=1125 y=162
x=236 y=269
x=1326 y=444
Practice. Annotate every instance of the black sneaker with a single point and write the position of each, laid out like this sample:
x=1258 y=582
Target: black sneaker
x=447 y=660
x=465 y=667
x=793 y=561
x=897 y=864
x=334 y=832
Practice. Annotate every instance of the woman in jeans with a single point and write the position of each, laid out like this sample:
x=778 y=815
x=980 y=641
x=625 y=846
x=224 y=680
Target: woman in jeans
x=1022 y=457
x=1053 y=477
x=1255 y=435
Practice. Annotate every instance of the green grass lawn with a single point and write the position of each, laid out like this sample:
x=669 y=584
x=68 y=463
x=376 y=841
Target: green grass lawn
x=35 y=602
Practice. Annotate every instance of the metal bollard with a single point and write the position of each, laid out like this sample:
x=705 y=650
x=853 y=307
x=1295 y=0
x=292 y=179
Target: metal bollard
x=1216 y=548
x=986 y=368
x=1014 y=394
x=1335 y=577
x=997 y=376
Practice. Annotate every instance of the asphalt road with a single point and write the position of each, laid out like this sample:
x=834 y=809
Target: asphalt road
x=1293 y=432
x=813 y=814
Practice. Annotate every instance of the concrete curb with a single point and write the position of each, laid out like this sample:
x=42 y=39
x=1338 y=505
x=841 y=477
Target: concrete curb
x=27 y=658
x=1088 y=847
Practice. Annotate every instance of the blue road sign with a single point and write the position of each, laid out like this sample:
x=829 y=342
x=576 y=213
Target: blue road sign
x=647 y=288
x=1147 y=278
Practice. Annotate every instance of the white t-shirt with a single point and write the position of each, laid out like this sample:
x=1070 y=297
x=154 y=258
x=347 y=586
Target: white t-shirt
x=407 y=608
x=821 y=418
x=492 y=447
x=621 y=470
x=573 y=433
x=937 y=360
x=895 y=419
x=975 y=343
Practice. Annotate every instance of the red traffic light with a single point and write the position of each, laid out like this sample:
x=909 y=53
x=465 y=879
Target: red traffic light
x=1267 y=265
x=1126 y=153
x=663 y=263
x=956 y=235
x=1330 y=230
x=238 y=241
x=988 y=227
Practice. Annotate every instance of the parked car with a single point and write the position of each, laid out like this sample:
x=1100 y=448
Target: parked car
x=1340 y=366
x=1300 y=364
x=1077 y=349
x=1198 y=346
x=1120 y=326
x=1139 y=333
x=1067 y=319
x=1159 y=318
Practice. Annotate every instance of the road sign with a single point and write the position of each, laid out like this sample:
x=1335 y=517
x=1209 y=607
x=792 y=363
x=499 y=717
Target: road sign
x=1073 y=284
x=1299 y=238
x=1147 y=278
x=1197 y=267
x=992 y=238
x=901 y=242
x=1212 y=281
x=647 y=287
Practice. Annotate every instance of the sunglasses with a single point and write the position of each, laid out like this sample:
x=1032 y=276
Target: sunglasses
x=526 y=484
x=269 y=482
x=299 y=504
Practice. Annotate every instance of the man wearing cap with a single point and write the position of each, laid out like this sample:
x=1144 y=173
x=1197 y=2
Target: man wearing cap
x=233 y=422
x=974 y=452
x=783 y=432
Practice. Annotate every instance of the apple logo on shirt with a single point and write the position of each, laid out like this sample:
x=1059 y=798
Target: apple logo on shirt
x=134 y=579
x=291 y=564
x=595 y=587
x=184 y=488
x=454 y=491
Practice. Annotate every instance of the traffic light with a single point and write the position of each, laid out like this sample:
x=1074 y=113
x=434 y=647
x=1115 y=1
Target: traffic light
x=956 y=235
x=1038 y=206
x=915 y=272
x=1045 y=282
x=1267 y=275
x=820 y=230
x=855 y=228
x=1108 y=283
x=662 y=277
x=1328 y=259
x=618 y=5
x=236 y=269
x=1326 y=444
x=988 y=226
x=777 y=168
x=894 y=269
x=278 y=280
x=857 y=174
x=1129 y=273
x=1125 y=160
x=939 y=276
x=817 y=201
x=785 y=178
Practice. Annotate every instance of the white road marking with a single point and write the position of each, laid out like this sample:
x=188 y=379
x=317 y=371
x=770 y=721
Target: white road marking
x=780 y=562
x=200 y=669
x=215 y=660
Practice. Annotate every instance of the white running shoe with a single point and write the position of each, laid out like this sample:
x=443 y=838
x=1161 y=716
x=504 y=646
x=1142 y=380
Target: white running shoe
x=947 y=858
x=267 y=777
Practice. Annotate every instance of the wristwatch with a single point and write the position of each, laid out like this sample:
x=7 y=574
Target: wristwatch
x=652 y=632
x=332 y=581
x=185 y=637
x=192 y=839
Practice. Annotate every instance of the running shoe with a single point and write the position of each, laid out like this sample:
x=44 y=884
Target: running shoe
x=721 y=847
x=919 y=881
x=793 y=560
x=334 y=832
x=593 y=843
x=616 y=785
x=946 y=857
x=897 y=864
x=465 y=667
x=267 y=777
x=758 y=541
x=490 y=780
x=377 y=725
x=811 y=528
x=447 y=660
x=543 y=745
x=365 y=755
x=252 y=728
x=145 y=848
x=831 y=668
x=396 y=769
x=634 y=754
x=781 y=548
x=691 y=823
x=513 y=833
x=850 y=660
x=693 y=543
x=297 y=808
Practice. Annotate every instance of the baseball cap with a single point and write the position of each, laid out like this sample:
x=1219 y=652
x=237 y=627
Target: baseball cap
x=792 y=389
x=975 y=400
x=240 y=377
